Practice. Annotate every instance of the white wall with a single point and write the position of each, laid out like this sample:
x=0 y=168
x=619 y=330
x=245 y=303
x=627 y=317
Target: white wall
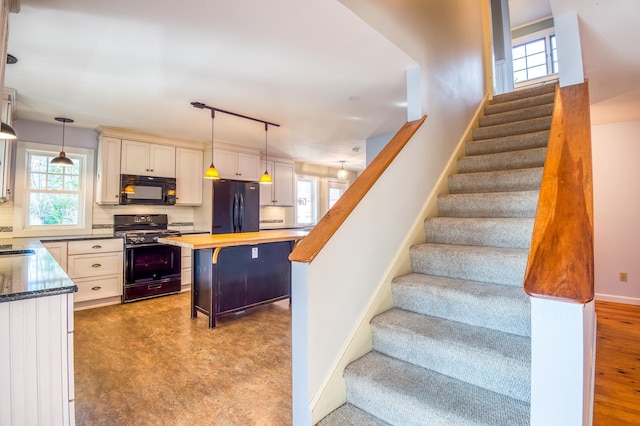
x=616 y=175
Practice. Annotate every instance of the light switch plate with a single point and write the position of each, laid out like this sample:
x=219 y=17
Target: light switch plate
x=254 y=252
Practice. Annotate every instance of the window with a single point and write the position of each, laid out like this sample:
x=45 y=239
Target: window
x=307 y=202
x=336 y=189
x=535 y=58
x=52 y=199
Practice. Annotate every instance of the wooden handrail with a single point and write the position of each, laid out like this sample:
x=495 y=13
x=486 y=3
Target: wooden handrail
x=311 y=245
x=560 y=264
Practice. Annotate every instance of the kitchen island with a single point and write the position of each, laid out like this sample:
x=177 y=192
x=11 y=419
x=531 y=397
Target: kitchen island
x=234 y=272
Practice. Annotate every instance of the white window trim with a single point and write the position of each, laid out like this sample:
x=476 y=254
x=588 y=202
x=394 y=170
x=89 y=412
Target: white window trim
x=335 y=184
x=20 y=201
x=316 y=213
x=547 y=32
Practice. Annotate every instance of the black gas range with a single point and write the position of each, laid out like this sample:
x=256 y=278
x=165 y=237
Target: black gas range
x=151 y=269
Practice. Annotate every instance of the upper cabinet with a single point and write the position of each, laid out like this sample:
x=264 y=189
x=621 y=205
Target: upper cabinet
x=189 y=171
x=147 y=159
x=281 y=192
x=237 y=165
x=108 y=176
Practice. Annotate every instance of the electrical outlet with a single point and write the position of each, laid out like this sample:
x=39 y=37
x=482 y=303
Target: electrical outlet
x=254 y=252
x=623 y=277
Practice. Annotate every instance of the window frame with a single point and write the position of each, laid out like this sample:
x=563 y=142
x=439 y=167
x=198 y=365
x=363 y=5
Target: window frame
x=21 y=198
x=315 y=197
x=547 y=34
x=335 y=184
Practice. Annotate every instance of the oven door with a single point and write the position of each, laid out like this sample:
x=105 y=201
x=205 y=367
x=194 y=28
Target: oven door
x=151 y=262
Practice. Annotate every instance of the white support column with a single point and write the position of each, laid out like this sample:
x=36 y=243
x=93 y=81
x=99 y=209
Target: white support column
x=300 y=343
x=569 y=49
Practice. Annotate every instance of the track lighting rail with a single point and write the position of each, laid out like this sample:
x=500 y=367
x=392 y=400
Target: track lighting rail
x=200 y=105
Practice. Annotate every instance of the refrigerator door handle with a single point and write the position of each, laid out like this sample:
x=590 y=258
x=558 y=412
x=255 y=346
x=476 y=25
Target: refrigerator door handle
x=241 y=214
x=235 y=212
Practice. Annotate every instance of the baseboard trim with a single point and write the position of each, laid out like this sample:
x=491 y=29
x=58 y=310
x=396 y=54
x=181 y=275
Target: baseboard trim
x=617 y=299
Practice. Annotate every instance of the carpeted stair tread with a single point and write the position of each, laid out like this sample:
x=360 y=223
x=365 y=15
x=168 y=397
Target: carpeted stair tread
x=545 y=98
x=537 y=111
x=523 y=93
x=496 y=265
x=491 y=359
x=510 y=160
x=494 y=306
x=510 y=129
x=508 y=143
x=350 y=415
x=404 y=394
x=496 y=232
x=490 y=204
x=496 y=181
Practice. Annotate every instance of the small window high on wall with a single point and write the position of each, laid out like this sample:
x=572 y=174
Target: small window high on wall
x=307 y=201
x=534 y=53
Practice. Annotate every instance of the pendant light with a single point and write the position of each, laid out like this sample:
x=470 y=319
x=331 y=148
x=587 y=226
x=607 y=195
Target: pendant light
x=342 y=173
x=62 y=160
x=266 y=179
x=7 y=132
x=212 y=172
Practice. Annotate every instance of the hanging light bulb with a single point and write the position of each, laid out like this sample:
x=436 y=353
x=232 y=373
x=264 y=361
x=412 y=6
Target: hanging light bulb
x=212 y=172
x=342 y=173
x=61 y=159
x=266 y=179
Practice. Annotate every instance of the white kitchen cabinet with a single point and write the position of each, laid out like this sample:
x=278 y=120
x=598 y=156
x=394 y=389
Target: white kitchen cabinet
x=148 y=159
x=189 y=177
x=237 y=165
x=108 y=175
x=281 y=192
x=186 y=268
x=58 y=249
x=96 y=266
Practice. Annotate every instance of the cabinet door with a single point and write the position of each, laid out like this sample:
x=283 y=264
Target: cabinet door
x=248 y=167
x=226 y=162
x=108 y=176
x=135 y=158
x=58 y=249
x=162 y=160
x=266 y=191
x=283 y=183
x=188 y=177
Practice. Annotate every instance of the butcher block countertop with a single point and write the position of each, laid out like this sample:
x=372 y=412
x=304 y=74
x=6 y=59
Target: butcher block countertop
x=196 y=242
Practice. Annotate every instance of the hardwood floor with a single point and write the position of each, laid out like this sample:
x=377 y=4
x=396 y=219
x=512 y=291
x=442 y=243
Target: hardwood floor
x=148 y=363
x=617 y=385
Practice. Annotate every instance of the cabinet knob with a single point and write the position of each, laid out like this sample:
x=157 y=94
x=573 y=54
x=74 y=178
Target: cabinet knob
x=117 y=196
x=96 y=265
x=96 y=288
x=97 y=246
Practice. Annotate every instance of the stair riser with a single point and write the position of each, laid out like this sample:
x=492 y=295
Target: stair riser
x=519 y=104
x=516 y=204
x=508 y=312
x=507 y=376
x=509 y=143
x=483 y=265
x=503 y=130
x=517 y=115
x=522 y=94
x=503 y=181
x=508 y=233
x=514 y=160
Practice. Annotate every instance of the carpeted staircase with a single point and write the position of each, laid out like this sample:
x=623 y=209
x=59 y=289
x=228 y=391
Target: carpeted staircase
x=456 y=347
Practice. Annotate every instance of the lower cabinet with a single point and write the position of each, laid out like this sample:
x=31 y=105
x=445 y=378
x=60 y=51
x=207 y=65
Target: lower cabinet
x=36 y=361
x=242 y=277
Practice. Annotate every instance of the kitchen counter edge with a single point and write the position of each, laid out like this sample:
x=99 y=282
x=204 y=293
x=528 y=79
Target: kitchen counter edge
x=197 y=242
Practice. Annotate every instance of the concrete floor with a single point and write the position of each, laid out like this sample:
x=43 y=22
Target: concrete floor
x=148 y=363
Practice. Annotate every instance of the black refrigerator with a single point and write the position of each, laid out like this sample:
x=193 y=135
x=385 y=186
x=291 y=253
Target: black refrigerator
x=236 y=206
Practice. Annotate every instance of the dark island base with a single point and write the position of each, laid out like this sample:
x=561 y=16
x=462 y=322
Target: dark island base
x=239 y=280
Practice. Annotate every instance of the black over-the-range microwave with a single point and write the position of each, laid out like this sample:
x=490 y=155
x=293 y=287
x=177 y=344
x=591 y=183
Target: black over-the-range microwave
x=136 y=189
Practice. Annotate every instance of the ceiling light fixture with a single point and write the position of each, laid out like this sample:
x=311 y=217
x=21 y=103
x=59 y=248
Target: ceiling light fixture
x=342 y=173
x=62 y=160
x=7 y=132
x=266 y=179
x=212 y=172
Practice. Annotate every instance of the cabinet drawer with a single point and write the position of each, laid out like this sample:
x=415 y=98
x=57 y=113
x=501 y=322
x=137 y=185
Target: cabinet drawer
x=185 y=276
x=89 y=289
x=91 y=265
x=95 y=246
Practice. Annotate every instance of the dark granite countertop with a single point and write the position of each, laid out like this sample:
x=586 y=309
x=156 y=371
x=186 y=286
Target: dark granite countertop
x=35 y=274
x=78 y=238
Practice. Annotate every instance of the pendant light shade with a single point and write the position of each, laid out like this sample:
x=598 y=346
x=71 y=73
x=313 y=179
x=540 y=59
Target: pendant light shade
x=266 y=179
x=342 y=173
x=212 y=172
x=7 y=132
x=61 y=159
